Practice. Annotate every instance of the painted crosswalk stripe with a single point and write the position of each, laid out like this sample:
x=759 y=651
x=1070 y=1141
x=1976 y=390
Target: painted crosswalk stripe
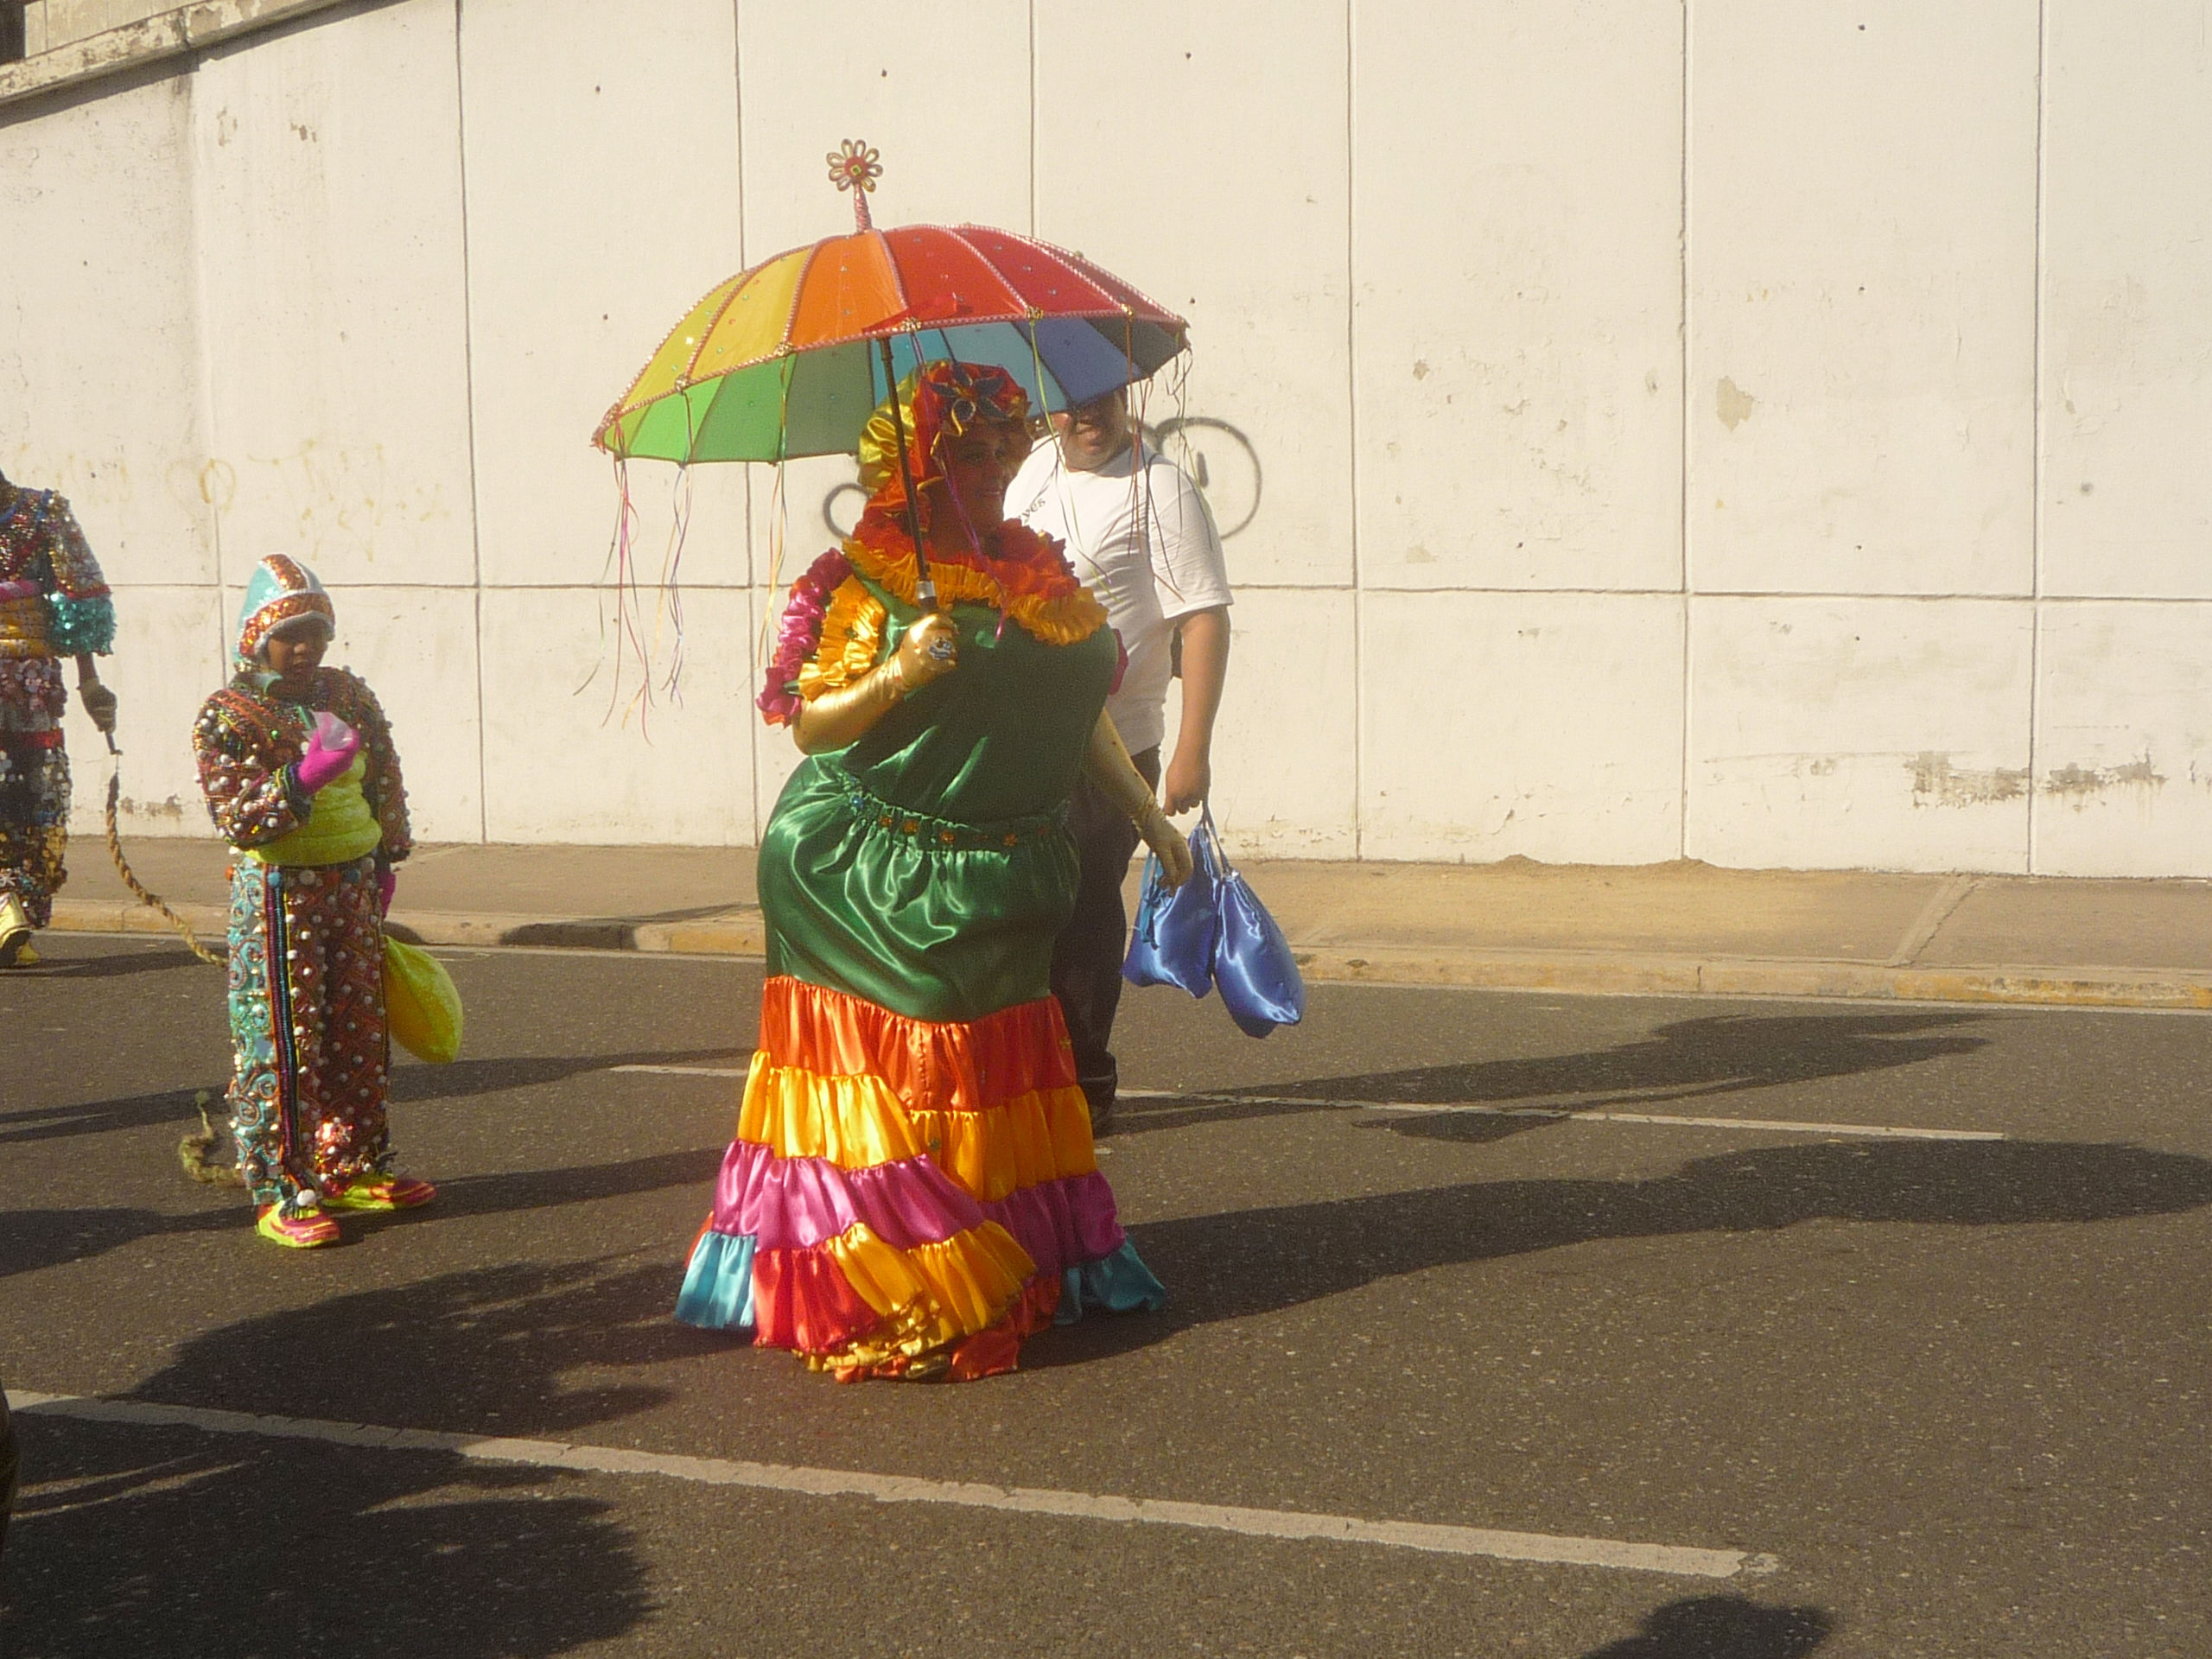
x=799 y=1481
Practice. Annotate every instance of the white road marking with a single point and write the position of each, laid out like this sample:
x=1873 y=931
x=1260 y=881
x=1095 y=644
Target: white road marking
x=1674 y=1559
x=1563 y=1113
x=1571 y=1114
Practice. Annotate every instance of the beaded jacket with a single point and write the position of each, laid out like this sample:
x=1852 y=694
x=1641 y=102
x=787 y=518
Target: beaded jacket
x=53 y=601
x=246 y=741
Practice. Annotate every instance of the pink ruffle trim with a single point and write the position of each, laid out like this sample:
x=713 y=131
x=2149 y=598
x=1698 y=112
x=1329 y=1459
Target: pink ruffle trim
x=799 y=634
x=794 y=1204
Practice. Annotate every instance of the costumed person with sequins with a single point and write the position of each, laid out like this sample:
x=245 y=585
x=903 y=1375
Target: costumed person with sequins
x=53 y=603
x=912 y=1189
x=298 y=763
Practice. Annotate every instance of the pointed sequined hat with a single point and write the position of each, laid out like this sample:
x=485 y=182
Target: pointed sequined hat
x=279 y=591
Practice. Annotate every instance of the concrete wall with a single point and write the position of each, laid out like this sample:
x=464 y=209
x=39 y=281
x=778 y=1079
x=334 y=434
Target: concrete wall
x=1772 y=435
x=51 y=24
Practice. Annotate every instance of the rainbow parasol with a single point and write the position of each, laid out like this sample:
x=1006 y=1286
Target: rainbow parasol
x=791 y=357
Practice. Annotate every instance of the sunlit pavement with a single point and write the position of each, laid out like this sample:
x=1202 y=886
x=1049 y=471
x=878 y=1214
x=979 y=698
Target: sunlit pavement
x=1877 y=1332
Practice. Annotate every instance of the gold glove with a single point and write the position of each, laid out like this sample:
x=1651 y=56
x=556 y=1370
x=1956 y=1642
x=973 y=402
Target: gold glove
x=1108 y=764
x=929 y=650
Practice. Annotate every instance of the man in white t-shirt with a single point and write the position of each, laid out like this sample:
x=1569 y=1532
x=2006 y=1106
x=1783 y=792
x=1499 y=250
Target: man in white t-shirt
x=1140 y=537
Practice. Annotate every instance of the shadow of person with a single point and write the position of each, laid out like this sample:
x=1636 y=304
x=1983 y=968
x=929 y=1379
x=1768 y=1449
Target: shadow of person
x=170 y=1539
x=1231 y=1265
x=1723 y=1627
x=135 y=1540
x=410 y=1082
x=34 y=1239
x=104 y=1116
x=458 y=1078
x=1689 y=1059
x=484 y=1349
x=31 y=1240
x=537 y=1189
x=119 y=964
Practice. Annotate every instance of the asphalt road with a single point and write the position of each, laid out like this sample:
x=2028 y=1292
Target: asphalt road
x=1945 y=1396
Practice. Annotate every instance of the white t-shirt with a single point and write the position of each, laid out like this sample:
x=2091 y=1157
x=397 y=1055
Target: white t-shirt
x=1142 y=541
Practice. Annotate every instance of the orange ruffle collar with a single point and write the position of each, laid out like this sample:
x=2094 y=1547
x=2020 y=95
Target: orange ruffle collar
x=1025 y=578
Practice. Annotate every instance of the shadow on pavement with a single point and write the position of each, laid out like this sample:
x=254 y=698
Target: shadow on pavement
x=537 y=1189
x=410 y=1082
x=1723 y=1627
x=456 y=1078
x=132 y=1539
x=102 y=1116
x=1228 y=1266
x=119 y=963
x=34 y=1239
x=481 y=1351
x=135 y=1540
x=1691 y=1059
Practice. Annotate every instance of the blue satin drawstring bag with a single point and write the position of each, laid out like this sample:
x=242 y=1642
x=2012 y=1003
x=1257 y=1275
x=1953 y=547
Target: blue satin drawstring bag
x=1214 y=930
x=1252 y=964
x=1172 y=941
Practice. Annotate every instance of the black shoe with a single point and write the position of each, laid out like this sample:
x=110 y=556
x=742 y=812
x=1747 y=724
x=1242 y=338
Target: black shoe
x=1098 y=1095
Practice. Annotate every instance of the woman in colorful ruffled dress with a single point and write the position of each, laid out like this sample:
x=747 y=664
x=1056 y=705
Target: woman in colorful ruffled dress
x=912 y=1189
x=298 y=763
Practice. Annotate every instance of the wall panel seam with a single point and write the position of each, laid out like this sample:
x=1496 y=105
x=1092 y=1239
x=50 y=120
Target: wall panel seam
x=468 y=404
x=2036 y=428
x=1682 y=497
x=1351 y=418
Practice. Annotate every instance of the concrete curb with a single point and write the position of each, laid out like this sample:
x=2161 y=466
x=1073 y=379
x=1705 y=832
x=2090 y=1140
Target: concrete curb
x=1618 y=973
x=1621 y=974
x=737 y=935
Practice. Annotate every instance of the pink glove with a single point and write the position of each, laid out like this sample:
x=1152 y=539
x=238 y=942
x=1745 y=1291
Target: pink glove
x=387 y=884
x=330 y=751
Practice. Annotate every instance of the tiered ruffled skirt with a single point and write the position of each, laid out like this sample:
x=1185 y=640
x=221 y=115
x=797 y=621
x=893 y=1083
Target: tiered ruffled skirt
x=909 y=1197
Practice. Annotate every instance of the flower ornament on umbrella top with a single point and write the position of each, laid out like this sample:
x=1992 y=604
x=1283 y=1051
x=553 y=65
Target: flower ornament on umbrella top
x=854 y=167
x=792 y=357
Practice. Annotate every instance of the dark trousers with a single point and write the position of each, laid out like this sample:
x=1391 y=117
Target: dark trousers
x=1087 y=958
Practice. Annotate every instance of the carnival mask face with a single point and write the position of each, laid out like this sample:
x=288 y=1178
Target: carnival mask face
x=979 y=464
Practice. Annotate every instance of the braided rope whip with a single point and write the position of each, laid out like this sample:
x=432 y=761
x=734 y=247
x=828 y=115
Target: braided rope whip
x=194 y=1149
x=154 y=900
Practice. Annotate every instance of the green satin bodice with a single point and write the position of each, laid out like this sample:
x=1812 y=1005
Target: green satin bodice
x=927 y=866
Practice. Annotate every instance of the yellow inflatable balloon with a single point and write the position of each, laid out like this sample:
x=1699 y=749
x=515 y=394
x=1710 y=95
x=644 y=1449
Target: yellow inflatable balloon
x=420 y=1002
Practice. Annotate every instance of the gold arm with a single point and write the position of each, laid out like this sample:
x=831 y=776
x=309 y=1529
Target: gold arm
x=837 y=718
x=1106 y=762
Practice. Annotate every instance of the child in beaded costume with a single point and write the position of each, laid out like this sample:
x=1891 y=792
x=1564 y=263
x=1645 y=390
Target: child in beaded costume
x=53 y=603
x=301 y=777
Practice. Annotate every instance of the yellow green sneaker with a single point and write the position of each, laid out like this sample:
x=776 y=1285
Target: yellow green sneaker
x=303 y=1229
x=381 y=1193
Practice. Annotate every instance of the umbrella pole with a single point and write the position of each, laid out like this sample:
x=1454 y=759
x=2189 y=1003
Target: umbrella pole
x=924 y=589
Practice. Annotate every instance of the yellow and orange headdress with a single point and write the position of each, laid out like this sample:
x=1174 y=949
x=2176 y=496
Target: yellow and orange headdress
x=938 y=401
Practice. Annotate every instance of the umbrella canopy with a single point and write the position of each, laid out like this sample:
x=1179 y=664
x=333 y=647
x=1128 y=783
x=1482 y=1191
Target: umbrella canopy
x=787 y=358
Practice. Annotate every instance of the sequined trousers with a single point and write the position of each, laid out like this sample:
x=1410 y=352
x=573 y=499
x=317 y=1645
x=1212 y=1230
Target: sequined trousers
x=33 y=784
x=309 y=1049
